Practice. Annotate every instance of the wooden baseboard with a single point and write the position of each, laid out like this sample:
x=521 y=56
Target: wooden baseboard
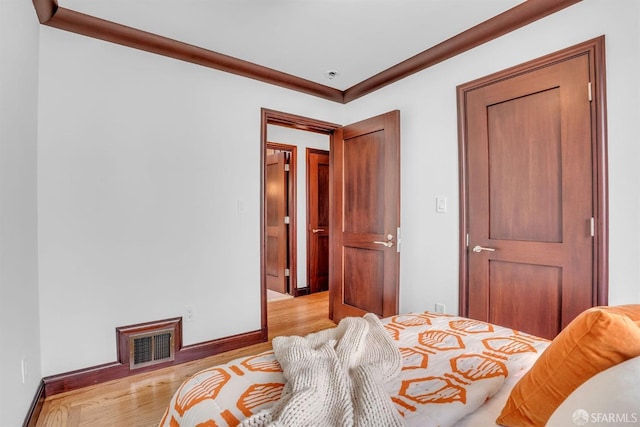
x=298 y=292
x=111 y=371
x=36 y=407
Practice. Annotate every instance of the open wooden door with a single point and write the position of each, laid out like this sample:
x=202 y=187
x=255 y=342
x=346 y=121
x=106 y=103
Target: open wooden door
x=318 y=220
x=530 y=175
x=365 y=200
x=276 y=207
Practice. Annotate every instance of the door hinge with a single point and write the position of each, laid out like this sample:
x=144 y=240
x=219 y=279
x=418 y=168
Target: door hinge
x=287 y=220
x=590 y=95
x=287 y=272
x=467 y=240
x=593 y=227
x=286 y=167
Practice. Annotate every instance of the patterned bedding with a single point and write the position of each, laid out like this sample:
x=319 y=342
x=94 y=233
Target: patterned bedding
x=451 y=367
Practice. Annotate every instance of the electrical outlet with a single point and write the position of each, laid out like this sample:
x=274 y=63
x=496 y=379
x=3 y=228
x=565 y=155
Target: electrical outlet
x=189 y=313
x=24 y=370
x=440 y=308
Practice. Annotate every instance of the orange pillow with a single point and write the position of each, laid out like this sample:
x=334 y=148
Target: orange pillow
x=597 y=339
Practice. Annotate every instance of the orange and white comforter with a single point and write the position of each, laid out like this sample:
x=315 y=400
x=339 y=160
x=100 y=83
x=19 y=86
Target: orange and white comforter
x=451 y=366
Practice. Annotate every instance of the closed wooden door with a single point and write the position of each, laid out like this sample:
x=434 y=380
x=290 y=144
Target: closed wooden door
x=276 y=207
x=318 y=220
x=529 y=171
x=365 y=194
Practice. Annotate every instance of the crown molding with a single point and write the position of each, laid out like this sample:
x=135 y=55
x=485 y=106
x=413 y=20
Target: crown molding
x=50 y=14
x=510 y=20
x=87 y=25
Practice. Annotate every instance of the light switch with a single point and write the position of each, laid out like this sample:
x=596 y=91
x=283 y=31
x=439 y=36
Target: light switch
x=441 y=204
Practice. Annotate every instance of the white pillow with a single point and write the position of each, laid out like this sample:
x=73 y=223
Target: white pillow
x=611 y=398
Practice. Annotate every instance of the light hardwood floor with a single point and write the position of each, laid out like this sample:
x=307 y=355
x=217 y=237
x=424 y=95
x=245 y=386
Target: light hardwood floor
x=140 y=400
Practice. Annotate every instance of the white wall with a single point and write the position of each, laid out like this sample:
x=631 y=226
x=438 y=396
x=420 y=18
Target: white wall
x=19 y=318
x=303 y=140
x=142 y=161
x=427 y=100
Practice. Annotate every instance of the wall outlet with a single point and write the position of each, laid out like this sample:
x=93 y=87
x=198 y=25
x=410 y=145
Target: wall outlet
x=440 y=308
x=189 y=313
x=24 y=370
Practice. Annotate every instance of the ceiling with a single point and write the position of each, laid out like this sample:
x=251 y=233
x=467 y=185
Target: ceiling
x=305 y=38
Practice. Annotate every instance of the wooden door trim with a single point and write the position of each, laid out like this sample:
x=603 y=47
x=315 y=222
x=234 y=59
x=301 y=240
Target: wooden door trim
x=273 y=117
x=596 y=52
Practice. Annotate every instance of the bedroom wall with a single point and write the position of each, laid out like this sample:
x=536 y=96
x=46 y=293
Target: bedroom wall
x=19 y=317
x=427 y=100
x=303 y=140
x=142 y=161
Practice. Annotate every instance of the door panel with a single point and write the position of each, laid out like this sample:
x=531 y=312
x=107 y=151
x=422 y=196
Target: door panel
x=318 y=220
x=530 y=196
x=365 y=198
x=364 y=271
x=526 y=190
x=364 y=184
x=541 y=284
x=276 y=207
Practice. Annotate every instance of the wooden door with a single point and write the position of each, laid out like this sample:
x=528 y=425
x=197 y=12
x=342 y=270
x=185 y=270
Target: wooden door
x=276 y=207
x=529 y=172
x=318 y=220
x=365 y=195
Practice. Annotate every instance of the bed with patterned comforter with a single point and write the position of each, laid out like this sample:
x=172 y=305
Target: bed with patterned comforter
x=449 y=369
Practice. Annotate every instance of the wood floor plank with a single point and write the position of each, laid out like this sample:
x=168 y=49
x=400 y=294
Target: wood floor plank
x=140 y=400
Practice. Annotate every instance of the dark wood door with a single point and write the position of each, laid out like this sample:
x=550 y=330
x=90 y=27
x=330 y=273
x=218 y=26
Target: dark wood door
x=530 y=198
x=276 y=207
x=318 y=220
x=365 y=194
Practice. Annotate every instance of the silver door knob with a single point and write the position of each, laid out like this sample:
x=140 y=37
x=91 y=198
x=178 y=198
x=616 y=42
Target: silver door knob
x=317 y=230
x=482 y=248
x=387 y=244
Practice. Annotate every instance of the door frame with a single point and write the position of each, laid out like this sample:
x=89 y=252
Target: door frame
x=273 y=117
x=595 y=50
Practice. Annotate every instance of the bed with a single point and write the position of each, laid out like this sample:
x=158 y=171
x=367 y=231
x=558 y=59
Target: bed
x=424 y=369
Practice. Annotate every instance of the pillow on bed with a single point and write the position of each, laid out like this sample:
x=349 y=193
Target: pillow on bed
x=597 y=339
x=613 y=391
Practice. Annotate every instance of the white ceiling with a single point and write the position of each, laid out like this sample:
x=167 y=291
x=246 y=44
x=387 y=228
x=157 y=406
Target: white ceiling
x=306 y=38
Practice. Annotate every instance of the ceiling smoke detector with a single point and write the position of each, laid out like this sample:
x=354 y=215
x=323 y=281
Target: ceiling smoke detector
x=331 y=74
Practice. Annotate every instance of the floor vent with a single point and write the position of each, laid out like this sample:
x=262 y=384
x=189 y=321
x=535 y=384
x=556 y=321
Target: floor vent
x=148 y=344
x=150 y=348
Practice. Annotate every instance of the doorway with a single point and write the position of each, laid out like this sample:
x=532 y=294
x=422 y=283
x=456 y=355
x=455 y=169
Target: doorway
x=271 y=120
x=533 y=192
x=365 y=157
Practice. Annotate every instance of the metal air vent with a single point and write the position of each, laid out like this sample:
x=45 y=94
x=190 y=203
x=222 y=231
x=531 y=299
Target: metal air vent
x=150 y=343
x=150 y=348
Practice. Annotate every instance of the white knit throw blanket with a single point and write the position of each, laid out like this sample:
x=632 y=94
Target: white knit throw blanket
x=335 y=378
